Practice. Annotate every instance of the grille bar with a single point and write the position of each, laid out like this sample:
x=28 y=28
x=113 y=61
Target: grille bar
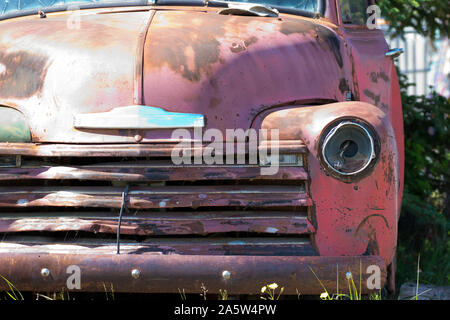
x=184 y=246
x=146 y=198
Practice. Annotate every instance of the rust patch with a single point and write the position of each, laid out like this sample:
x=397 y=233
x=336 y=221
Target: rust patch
x=303 y=27
x=372 y=246
x=389 y=173
x=363 y=222
x=236 y=47
x=214 y=102
x=374 y=76
x=332 y=42
x=196 y=227
x=326 y=38
x=250 y=41
x=23 y=74
x=354 y=77
x=169 y=272
x=383 y=76
x=185 y=47
x=343 y=86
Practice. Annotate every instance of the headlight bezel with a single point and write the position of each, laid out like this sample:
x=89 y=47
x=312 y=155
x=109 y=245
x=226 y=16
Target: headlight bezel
x=329 y=132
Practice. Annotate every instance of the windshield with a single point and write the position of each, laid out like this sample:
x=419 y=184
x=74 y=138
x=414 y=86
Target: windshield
x=13 y=7
x=305 y=5
x=8 y=6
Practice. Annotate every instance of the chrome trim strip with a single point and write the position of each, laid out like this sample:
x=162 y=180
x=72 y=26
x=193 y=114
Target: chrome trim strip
x=138 y=117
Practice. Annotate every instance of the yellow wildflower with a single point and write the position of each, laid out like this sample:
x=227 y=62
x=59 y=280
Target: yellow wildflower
x=273 y=286
x=324 y=296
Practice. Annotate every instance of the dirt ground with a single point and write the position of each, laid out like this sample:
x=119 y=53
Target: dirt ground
x=426 y=292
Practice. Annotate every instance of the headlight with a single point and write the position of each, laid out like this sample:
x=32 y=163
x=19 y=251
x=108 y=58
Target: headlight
x=349 y=148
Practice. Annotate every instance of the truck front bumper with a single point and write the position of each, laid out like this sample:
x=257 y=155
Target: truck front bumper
x=159 y=273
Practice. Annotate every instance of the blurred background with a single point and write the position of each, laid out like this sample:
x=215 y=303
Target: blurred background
x=425 y=63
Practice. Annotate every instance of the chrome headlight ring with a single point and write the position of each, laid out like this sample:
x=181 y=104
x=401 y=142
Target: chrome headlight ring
x=349 y=149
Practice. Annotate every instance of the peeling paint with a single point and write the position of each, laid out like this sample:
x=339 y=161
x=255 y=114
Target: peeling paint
x=326 y=38
x=374 y=76
x=376 y=98
x=23 y=74
x=188 y=49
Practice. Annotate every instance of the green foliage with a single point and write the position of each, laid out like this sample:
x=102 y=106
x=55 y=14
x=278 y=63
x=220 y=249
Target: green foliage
x=427 y=17
x=423 y=225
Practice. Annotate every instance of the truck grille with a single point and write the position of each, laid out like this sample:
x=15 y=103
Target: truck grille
x=72 y=195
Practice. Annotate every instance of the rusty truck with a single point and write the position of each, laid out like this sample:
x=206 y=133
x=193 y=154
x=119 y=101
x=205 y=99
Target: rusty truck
x=91 y=93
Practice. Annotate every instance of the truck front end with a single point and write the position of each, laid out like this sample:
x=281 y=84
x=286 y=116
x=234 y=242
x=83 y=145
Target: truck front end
x=162 y=147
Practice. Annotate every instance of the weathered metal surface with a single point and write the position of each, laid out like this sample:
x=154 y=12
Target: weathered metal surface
x=263 y=62
x=13 y=126
x=171 y=273
x=176 y=223
x=154 y=197
x=39 y=55
x=378 y=84
x=148 y=172
x=140 y=150
x=184 y=246
x=352 y=218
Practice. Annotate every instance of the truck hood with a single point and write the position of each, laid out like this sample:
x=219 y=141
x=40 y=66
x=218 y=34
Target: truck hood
x=183 y=60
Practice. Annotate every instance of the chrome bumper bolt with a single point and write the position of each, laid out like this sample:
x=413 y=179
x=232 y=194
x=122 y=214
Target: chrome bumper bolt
x=135 y=273
x=226 y=274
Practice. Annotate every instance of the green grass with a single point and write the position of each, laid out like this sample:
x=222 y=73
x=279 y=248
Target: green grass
x=13 y=293
x=353 y=292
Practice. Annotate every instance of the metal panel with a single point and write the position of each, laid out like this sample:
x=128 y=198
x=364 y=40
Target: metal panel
x=144 y=198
